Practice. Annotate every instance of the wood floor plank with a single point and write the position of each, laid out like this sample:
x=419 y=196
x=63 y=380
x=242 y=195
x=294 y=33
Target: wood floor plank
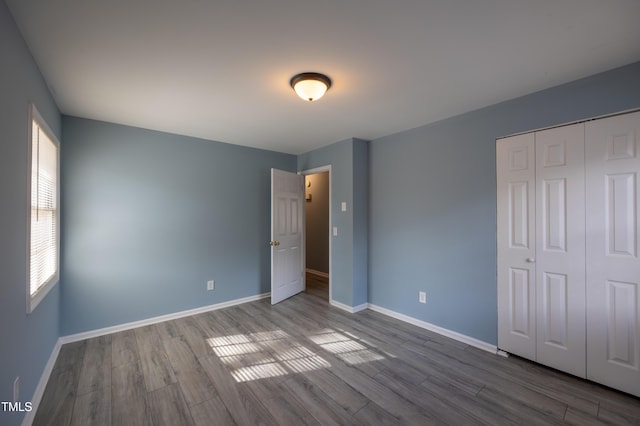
x=435 y=405
x=320 y=405
x=282 y=405
x=489 y=414
x=168 y=407
x=96 y=365
x=563 y=387
x=404 y=371
x=516 y=408
x=579 y=418
x=224 y=319
x=194 y=383
x=548 y=406
x=393 y=328
x=618 y=417
x=129 y=405
x=348 y=398
x=533 y=399
x=378 y=393
x=156 y=367
x=167 y=329
x=305 y=324
x=220 y=324
x=124 y=349
x=56 y=406
x=242 y=405
x=71 y=354
x=93 y=408
x=372 y=414
x=615 y=404
x=210 y=412
x=195 y=336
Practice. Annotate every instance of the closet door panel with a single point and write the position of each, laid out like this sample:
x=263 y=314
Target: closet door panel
x=515 y=158
x=613 y=265
x=560 y=249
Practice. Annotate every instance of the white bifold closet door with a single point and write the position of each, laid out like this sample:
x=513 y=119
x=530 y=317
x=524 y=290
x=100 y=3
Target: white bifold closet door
x=541 y=247
x=516 y=173
x=613 y=263
x=560 y=249
x=568 y=248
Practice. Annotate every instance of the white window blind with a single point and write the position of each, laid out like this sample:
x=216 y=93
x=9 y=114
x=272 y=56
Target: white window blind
x=44 y=211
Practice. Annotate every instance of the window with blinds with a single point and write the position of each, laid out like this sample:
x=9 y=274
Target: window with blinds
x=44 y=218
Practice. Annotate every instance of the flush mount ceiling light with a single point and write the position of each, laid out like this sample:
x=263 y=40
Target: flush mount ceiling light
x=310 y=86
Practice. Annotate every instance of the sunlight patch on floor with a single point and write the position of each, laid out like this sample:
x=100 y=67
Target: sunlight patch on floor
x=345 y=347
x=265 y=354
x=275 y=353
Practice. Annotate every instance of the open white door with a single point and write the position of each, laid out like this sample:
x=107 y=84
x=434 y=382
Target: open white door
x=287 y=226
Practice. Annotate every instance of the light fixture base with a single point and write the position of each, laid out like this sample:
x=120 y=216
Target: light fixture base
x=310 y=86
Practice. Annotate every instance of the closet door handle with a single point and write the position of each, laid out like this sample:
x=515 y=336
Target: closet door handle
x=531 y=260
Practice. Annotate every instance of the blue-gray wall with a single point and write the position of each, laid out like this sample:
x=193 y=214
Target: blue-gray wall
x=149 y=217
x=432 y=205
x=349 y=183
x=26 y=341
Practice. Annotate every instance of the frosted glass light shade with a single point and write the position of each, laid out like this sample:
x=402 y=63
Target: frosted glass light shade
x=310 y=86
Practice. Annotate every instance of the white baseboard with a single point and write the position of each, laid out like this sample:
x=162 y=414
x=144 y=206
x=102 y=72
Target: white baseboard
x=128 y=326
x=471 y=341
x=360 y=307
x=42 y=384
x=350 y=309
x=317 y=273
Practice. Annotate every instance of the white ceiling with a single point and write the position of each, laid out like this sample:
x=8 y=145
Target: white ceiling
x=220 y=69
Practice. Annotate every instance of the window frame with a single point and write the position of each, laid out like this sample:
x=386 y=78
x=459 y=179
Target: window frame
x=34 y=299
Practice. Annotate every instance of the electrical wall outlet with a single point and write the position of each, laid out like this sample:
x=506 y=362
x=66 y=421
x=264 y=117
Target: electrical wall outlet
x=422 y=297
x=16 y=389
x=211 y=285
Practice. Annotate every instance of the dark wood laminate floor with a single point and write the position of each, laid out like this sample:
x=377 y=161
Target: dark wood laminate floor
x=317 y=286
x=303 y=362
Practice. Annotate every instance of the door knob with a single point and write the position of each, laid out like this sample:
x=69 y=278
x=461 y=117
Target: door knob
x=274 y=243
x=531 y=260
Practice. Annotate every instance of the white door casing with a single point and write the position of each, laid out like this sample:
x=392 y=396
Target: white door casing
x=560 y=249
x=287 y=235
x=613 y=263
x=515 y=157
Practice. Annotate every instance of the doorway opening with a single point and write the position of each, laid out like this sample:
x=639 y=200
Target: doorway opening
x=318 y=232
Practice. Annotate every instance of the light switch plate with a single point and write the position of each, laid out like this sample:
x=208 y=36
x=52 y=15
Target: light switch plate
x=335 y=231
x=344 y=206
